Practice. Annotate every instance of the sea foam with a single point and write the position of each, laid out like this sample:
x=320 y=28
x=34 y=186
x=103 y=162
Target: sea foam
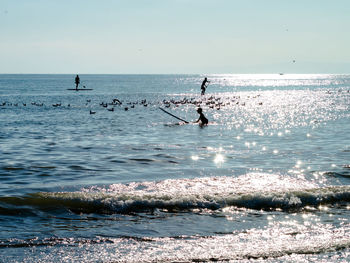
x=254 y=191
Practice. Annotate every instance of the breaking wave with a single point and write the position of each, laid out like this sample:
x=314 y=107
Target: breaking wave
x=254 y=191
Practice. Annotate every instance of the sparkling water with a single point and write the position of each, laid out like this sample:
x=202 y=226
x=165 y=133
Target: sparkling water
x=104 y=175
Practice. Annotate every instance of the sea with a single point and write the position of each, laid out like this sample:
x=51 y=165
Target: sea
x=111 y=174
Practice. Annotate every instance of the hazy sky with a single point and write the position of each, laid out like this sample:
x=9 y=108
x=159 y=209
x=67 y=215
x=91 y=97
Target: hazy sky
x=174 y=36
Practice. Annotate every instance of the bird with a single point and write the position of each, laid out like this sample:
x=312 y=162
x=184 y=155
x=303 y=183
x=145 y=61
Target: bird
x=92 y=112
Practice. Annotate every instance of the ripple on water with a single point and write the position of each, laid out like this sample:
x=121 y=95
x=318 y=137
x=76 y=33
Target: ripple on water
x=44 y=167
x=12 y=168
x=142 y=160
x=78 y=168
x=117 y=161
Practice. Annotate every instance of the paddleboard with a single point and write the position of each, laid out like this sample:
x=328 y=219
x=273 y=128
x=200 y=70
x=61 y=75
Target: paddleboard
x=79 y=89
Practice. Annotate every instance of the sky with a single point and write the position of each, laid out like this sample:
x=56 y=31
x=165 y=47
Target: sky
x=174 y=36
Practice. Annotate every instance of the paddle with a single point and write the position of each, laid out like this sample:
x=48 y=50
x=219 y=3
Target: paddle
x=174 y=115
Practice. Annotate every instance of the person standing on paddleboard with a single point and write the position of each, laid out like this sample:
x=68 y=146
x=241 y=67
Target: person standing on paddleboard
x=202 y=119
x=203 y=86
x=77 y=82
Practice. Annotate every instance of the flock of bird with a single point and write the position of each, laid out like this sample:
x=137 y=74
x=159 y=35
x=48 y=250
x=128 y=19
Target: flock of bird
x=211 y=102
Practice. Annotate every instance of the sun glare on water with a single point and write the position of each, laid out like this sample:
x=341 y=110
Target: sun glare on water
x=219 y=158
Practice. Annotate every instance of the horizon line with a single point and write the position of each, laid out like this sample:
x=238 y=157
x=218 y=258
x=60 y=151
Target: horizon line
x=274 y=73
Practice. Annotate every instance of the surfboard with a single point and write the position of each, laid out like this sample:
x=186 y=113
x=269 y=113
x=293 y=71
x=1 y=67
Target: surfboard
x=173 y=115
x=79 y=89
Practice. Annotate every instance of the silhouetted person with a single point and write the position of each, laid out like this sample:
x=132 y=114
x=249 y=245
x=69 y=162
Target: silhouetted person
x=77 y=82
x=202 y=119
x=203 y=86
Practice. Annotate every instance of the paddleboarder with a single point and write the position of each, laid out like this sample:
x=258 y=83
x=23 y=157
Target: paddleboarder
x=204 y=85
x=77 y=82
x=202 y=119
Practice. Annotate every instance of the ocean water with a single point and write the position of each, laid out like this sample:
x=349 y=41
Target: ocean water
x=268 y=180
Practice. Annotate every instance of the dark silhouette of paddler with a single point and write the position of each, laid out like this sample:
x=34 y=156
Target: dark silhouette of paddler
x=202 y=119
x=77 y=82
x=204 y=85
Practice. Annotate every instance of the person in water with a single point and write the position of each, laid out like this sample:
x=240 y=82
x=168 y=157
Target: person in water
x=204 y=85
x=202 y=119
x=77 y=81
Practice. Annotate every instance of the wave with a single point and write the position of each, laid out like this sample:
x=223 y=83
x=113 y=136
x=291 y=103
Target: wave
x=274 y=243
x=345 y=174
x=256 y=191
